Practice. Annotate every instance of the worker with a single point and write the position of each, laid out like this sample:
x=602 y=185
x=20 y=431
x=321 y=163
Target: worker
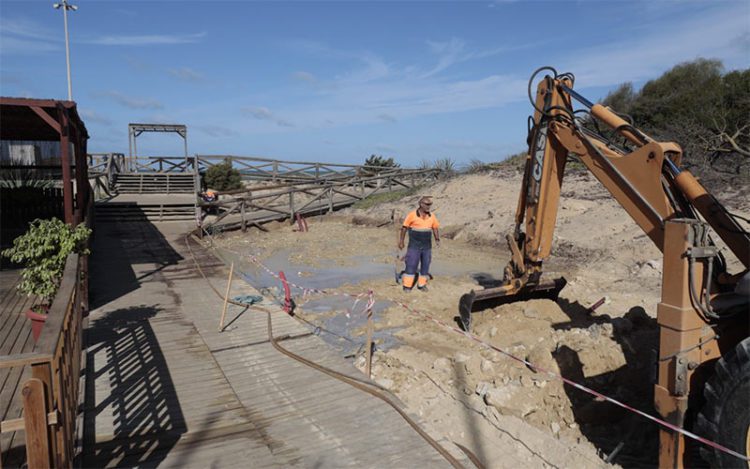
x=209 y=195
x=421 y=225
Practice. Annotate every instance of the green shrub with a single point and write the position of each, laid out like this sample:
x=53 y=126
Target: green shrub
x=516 y=161
x=381 y=162
x=384 y=197
x=447 y=166
x=223 y=177
x=43 y=250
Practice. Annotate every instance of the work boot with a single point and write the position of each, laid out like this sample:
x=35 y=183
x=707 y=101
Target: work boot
x=424 y=288
x=407 y=290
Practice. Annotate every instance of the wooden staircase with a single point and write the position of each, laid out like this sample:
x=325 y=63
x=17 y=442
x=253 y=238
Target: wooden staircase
x=139 y=211
x=154 y=183
x=150 y=196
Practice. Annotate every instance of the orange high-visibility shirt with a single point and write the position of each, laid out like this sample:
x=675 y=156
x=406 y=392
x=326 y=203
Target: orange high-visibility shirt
x=420 y=229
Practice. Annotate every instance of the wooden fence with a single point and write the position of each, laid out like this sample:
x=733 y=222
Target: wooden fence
x=21 y=205
x=50 y=397
x=277 y=202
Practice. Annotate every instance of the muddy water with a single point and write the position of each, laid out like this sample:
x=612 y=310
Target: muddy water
x=341 y=318
x=320 y=260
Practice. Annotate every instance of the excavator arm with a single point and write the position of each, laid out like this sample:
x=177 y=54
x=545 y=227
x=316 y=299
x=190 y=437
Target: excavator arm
x=643 y=175
x=703 y=314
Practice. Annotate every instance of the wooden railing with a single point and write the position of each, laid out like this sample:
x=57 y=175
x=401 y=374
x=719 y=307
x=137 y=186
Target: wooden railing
x=299 y=171
x=160 y=164
x=102 y=170
x=260 y=204
x=50 y=397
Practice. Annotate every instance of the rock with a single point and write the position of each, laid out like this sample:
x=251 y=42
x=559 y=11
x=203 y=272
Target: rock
x=493 y=331
x=486 y=366
x=461 y=357
x=385 y=382
x=555 y=427
x=360 y=362
x=482 y=388
x=598 y=330
x=526 y=381
x=654 y=264
x=498 y=397
x=503 y=399
x=541 y=357
x=441 y=364
x=531 y=313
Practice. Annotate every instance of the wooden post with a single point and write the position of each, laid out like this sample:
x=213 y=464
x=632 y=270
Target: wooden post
x=330 y=199
x=35 y=425
x=291 y=207
x=369 y=343
x=242 y=214
x=226 y=298
x=65 y=162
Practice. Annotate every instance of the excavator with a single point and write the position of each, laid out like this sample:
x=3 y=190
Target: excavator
x=703 y=367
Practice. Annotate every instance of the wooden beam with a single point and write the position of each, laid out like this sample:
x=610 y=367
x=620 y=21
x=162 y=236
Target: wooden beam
x=46 y=118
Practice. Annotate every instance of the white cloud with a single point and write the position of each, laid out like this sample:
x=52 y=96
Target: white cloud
x=145 y=40
x=304 y=76
x=21 y=36
x=265 y=114
x=217 y=131
x=706 y=34
x=89 y=115
x=131 y=101
x=186 y=74
x=386 y=117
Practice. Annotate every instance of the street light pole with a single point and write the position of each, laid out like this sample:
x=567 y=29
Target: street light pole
x=65 y=7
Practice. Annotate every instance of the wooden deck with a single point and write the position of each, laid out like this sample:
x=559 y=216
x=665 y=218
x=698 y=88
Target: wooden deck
x=164 y=387
x=15 y=338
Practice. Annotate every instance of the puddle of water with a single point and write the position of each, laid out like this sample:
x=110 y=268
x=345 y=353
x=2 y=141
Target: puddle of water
x=348 y=317
x=328 y=276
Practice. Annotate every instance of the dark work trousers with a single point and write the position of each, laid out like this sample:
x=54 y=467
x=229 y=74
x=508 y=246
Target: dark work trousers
x=418 y=257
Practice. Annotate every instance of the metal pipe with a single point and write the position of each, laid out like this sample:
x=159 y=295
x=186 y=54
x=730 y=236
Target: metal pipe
x=577 y=96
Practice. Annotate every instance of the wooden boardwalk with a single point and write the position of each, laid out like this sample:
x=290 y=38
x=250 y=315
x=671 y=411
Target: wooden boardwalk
x=164 y=387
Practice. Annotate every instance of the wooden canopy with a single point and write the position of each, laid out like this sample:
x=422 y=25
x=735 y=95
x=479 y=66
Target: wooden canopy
x=52 y=120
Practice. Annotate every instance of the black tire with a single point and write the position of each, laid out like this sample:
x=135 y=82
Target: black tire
x=725 y=417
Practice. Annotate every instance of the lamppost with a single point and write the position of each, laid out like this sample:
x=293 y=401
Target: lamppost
x=65 y=7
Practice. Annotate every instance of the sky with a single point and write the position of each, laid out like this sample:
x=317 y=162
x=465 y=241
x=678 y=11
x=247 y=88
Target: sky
x=338 y=81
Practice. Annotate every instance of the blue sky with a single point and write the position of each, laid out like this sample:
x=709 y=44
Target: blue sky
x=338 y=81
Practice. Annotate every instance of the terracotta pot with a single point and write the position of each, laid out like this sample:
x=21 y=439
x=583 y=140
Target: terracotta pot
x=37 y=322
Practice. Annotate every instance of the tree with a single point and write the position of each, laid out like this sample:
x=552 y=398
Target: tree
x=223 y=177
x=621 y=99
x=698 y=106
x=381 y=162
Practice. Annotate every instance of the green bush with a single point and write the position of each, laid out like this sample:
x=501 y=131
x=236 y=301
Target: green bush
x=447 y=166
x=223 y=177
x=384 y=197
x=381 y=162
x=43 y=250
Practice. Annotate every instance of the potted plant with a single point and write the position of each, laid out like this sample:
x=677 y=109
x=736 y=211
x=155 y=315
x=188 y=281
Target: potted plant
x=43 y=250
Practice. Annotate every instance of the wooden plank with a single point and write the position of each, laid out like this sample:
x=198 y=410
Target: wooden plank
x=35 y=421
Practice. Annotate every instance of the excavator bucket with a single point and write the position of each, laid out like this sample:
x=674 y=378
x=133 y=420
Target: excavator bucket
x=491 y=297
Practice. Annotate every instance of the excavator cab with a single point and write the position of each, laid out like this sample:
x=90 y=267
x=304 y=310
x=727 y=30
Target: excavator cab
x=704 y=313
